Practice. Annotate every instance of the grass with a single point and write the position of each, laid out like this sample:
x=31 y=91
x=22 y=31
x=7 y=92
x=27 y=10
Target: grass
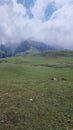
x=23 y=78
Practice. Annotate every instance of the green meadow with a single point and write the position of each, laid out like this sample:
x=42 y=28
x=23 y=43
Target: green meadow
x=36 y=91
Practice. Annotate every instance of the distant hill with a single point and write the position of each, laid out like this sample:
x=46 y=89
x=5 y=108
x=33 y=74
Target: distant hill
x=33 y=47
x=5 y=51
x=25 y=47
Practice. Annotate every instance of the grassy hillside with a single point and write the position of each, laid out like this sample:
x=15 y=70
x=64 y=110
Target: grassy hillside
x=30 y=99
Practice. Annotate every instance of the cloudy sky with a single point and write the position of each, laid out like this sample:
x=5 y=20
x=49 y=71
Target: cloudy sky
x=49 y=21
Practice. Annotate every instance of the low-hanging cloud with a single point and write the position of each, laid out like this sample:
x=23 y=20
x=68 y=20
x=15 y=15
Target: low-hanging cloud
x=18 y=23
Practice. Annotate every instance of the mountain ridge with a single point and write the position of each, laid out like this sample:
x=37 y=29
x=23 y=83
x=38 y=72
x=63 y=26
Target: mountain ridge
x=25 y=47
x=38 y=46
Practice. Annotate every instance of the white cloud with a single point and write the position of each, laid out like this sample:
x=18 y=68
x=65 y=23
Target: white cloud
x=11 y=20
x=15 y=25
x=39 y=7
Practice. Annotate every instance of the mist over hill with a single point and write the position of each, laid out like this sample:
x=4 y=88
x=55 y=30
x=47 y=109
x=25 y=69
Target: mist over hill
x=5 y=51
x=25 y=47
x=33 y=47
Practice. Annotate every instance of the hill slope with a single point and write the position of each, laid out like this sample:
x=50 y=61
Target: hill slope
x=33 y=47
x=26 y=47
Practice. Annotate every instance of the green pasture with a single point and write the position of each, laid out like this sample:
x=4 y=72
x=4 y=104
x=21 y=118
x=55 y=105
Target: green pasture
x=29 y=97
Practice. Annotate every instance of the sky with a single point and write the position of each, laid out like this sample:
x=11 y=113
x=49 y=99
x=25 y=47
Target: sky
x=49 y=21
